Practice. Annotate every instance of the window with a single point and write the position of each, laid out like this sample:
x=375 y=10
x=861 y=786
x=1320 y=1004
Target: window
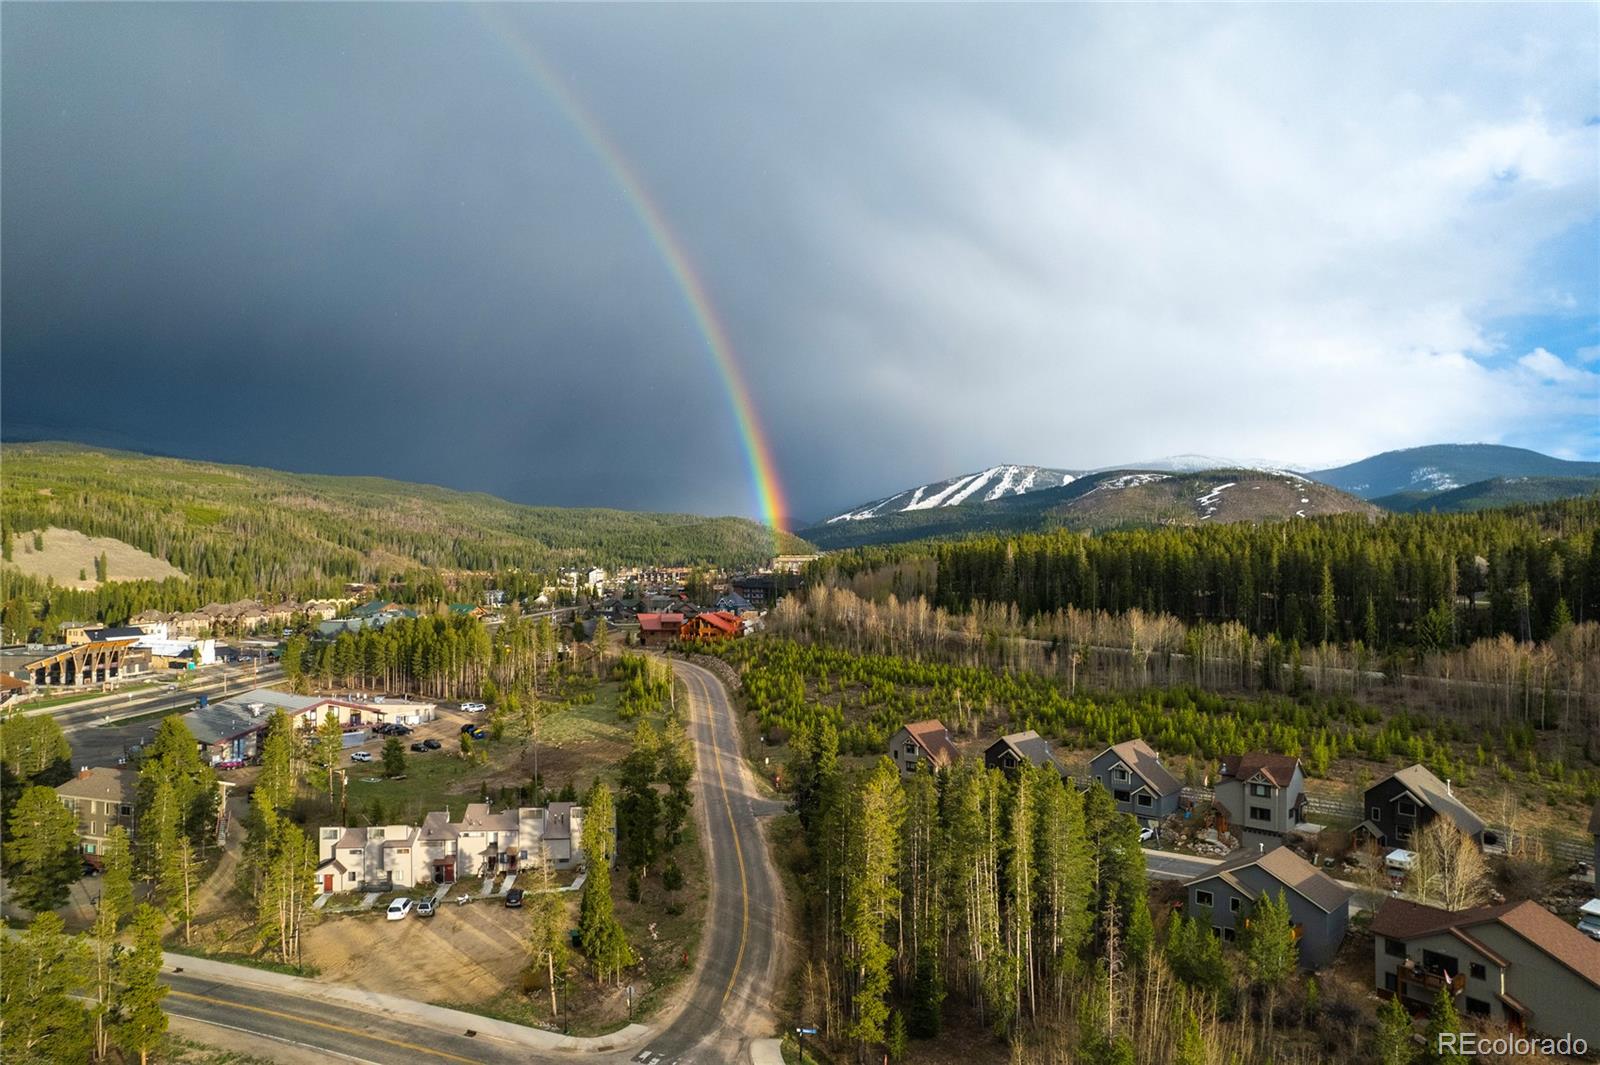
x=1260 y=813
x=352 y=876
x=1402 y=833
x=1144 y=798
x=1479 y=972
x=911 y=750
x=1119 y=773
x=1260 y=790
x=1203 y=898
x=1390 y=982
x=1216 y=930
x=1405 y=808
x=1375 y=813
x=125 y=810
x=1229 y=935
x=1394 y=948
x=1477 y=1007
x=1234 y=904
x=1121 y=795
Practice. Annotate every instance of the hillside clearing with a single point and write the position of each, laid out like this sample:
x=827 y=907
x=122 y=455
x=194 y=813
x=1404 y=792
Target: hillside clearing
x=66 y=553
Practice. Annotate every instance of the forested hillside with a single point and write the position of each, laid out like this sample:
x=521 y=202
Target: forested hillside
x=244 y=531
x=1425 y=581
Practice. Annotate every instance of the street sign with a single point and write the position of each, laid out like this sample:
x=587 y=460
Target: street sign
x=806 y=1031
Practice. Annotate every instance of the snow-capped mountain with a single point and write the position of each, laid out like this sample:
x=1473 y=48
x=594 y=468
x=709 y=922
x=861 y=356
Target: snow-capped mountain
x=1446 y=467
x=996 y=482
x=1197 y=463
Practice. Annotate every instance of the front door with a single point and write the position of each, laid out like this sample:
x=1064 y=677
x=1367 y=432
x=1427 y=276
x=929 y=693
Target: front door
x=327 y=883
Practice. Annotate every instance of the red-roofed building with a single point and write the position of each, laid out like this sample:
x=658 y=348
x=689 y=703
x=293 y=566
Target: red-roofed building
x=659 y=629
x=922 y=741
x=712 y=625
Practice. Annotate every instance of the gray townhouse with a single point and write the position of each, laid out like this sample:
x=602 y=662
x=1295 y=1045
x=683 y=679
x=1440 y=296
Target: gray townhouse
x=1514 y=964
x=1319 y=906
x=1139 y=784
x=1263 y=795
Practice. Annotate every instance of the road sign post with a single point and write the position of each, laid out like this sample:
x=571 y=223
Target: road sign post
x=801 y=1034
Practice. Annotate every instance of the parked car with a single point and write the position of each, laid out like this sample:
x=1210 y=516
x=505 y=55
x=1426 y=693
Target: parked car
x=1146 y=834
x=468 y=727
x=473 y=708
x=514 y=899
x=1590 y=926
x=398 y=909
x=419 y=747
x=425 y=908
x=361 y=756
x=432 y=744
x=479 y=733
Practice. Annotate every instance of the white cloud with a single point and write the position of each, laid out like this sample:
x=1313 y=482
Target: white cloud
x=1248 y=231
x=1548 y=367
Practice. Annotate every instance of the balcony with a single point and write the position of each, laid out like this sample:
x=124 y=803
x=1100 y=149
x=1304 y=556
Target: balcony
x=1424 y=984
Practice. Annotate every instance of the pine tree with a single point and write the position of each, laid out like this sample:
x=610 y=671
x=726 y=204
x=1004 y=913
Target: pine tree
x=328 y=750
x=547 y=925
x=1394 y=1044
x=1270 y=951
x=394 y=757
x=872 y=895
x=42 y=971
x=1442 y=1020
x=638 y=810
x=279 y=776
x=116 y=876
x=41 y=850
x=600 y=934
x=179 y=878
x=141 y=1023
x=895 y=1039
x=599 y=817
x=1190 y=1046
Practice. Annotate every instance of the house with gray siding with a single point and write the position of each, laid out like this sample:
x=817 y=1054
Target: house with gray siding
x=1020 y=748
x=1514 y=964
x=1319 y=906
x=1139 y=784
x=1402 y=804
x=1263 y=795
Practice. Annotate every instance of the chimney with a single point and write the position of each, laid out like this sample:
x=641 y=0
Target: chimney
x=1261 y=848
x=83 y=771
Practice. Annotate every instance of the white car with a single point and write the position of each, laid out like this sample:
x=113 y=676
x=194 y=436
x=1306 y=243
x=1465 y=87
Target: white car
x=1590 y=926
x=473 y=708
x=1146 y=834
x=361 y=756
x=398 y=909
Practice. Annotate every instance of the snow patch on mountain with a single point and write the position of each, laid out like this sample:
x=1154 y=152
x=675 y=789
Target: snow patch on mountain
x=996 y=482
x=1432 y=479
x=1129 y=480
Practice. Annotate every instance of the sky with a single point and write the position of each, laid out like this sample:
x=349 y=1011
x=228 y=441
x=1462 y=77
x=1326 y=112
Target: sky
x=385 y=239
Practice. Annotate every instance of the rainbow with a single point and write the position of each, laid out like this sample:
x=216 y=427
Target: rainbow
x=770 y=499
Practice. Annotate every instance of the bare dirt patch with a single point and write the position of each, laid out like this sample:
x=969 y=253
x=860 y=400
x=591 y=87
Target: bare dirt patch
x=461 y=954
x=66 y=553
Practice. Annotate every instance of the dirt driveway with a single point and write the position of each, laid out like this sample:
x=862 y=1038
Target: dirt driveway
x=462 y=953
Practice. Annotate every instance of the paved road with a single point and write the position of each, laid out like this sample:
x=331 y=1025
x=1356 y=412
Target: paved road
x=96 y=743
x=726 y=1006
x=731 y=1000
x=339 y=1032
x=1165 y=865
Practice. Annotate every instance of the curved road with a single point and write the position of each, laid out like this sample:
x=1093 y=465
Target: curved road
x=727 y=1004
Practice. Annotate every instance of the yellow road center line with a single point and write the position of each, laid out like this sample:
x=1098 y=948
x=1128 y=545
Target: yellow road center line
x=324 y=1024
x=738 y=850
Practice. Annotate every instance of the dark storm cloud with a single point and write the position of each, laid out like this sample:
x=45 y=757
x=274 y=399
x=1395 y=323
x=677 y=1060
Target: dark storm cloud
x=366 y=239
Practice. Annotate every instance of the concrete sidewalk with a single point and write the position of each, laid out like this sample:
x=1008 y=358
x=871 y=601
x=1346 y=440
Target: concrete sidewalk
x=440 y=1017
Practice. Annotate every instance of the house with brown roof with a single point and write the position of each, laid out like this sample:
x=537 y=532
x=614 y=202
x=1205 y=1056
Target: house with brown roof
x=102 y=798
x=1514 y=964
x=1262 y=795
x=1319 y=906
x=1139 y=784
x=919 y=743
x=658 y=629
